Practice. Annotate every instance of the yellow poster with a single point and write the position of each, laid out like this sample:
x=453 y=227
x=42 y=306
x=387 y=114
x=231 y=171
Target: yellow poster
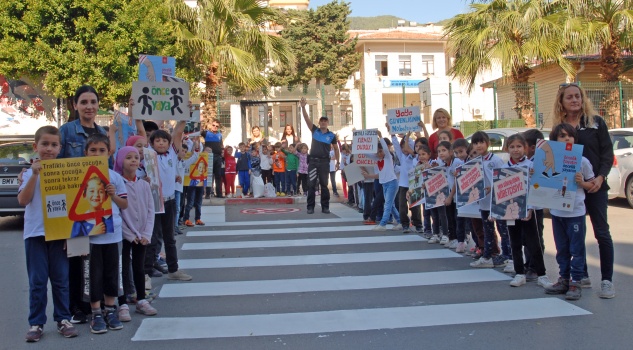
x=74 y=198
x=197 y=174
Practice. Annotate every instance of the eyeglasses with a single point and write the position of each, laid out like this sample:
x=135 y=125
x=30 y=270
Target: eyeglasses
x=215 y=125
x=566 y=85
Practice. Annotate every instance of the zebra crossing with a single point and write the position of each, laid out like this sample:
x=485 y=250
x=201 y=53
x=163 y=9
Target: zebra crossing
x=321 y=277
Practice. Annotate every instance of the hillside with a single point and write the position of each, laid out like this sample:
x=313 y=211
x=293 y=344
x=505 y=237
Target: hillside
x=378 y=22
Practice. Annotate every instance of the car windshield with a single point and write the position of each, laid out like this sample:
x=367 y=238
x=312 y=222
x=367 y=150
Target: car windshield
x=16 y=153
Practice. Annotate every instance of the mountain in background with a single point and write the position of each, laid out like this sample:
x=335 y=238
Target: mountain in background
x=378 y=22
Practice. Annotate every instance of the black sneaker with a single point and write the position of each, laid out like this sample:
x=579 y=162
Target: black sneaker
x=310 y=211
x=98 y=325
x=155 y=273
x=325 y=210
x=34 y=334
x=574 y=292
x=162 y=269
x=208 y=196
x=531 y=276
x=560 y=287
x=112 y=320
x=78 y=317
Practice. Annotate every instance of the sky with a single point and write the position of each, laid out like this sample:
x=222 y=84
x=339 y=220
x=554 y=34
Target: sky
x=421 y=11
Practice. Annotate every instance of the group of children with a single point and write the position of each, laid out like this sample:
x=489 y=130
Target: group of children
x=384 y=198
x=133 y=231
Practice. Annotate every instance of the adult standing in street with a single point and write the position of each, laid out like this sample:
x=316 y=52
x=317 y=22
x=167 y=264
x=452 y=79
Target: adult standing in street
x=319 y=159
x=573 y=107
x=73 y=137
x=213 y=139
x=442 y=121
x=256 y=136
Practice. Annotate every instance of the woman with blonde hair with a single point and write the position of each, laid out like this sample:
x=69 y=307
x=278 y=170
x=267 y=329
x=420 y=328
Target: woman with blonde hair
x=572 y=106
x=441 y=122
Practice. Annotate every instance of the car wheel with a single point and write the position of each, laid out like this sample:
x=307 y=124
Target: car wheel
x=629 y=191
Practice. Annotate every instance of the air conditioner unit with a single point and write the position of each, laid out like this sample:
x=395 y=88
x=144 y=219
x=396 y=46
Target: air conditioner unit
x=344 y=95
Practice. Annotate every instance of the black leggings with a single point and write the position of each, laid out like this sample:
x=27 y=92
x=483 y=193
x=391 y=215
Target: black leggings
x=526 y=232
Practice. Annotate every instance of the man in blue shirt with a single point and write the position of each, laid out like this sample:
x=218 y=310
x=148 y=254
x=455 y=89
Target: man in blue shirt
x=319 y=159
x=213 y=140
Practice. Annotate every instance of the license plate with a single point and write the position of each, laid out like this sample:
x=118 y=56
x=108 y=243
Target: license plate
x=9 y=181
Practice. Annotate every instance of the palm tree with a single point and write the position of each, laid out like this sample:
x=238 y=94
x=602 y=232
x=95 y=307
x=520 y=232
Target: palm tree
x=515 y=34
x=228 y=39
x=605 y=26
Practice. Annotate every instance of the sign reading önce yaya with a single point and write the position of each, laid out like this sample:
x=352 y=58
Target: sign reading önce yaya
x=161 y=100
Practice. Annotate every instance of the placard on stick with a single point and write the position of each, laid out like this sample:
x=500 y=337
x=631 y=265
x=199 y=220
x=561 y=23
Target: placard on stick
x=161 y=100
x=403 y=120
x=365 y=141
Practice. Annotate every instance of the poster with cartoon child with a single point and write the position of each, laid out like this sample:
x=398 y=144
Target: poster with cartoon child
x=552 y=182
x=470 y=183
x=153 y=175
x=75 y=200
x=435 y=187
x=509 y=193
x=197 y=174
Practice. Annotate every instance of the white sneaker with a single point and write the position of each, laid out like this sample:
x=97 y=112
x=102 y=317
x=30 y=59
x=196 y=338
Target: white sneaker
x=397 y=227
x=379 y=228
x=509 y=268
x=452 y=244
x=434 y=239
x=518 y=281
x=461 y=247
x=148 y=282
x=444 y=240
x=607 y=290
x=482 y=263
x=544 y=281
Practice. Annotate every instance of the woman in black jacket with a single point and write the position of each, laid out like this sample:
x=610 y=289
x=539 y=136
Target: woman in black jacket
x=573 y=107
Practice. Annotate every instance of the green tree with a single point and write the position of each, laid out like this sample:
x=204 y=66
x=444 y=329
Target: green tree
x=64 y=44
x=320 y=41
x=229 y=41
x=512 y=33
x=604 y=26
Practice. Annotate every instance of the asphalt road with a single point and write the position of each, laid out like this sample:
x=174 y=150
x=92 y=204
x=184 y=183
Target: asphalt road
x=320 y=281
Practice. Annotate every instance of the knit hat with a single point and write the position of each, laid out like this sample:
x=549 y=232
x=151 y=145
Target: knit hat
x=133 y=139
x=120 y=156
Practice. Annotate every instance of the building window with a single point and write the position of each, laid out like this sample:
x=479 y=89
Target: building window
x=329 y=112
x=347 y=115
x=381 y=65
x=285 y=116
x=404 y=65
x=428 y=65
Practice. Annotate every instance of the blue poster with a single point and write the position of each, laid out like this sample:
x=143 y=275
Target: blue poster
x=153 y=68
x=552 y=183
x=125 y=128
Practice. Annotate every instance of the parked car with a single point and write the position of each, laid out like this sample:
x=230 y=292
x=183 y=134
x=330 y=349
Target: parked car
x=498 y=137
x=622 y=140
x=14 y=156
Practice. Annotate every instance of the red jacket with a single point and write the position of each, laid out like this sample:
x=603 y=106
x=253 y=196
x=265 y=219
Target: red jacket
x=229 y=163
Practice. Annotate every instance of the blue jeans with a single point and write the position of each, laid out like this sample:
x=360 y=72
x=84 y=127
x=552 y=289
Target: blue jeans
x=378 y=205
x=244 y=179
x=44 y=261
x=489 y=236
x=389 y=190
x=280 y=181
x=291 y=181
x=569 y=237
x=596 y=204
x=194 y=199
x=178 y=197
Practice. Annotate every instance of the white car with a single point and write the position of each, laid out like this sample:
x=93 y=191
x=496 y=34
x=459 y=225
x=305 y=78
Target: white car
x=622 y=140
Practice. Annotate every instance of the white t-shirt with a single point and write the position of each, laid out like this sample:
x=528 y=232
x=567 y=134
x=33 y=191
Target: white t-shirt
x=387 y=173
x=117 y=235
x=33 y=216
x=266 y=162
x=450 y=172
x=490 y=161
x=332 y=161
x=167 y=164
x=579 y=202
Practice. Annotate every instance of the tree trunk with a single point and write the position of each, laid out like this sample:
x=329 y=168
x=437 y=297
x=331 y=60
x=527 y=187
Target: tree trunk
x=610 y=70
x=209 y=97
x=523 y=97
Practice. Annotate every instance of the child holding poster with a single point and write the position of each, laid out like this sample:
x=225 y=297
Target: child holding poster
x=570 y=227
x=138 y=222
x=44 y=260
x=524 y=231
x=531 y=137
x=104 y=248
x=184 y=165
x=460 y=151
x=407 y=162
x=446 y=154
x=387 y=178
x=481 y=142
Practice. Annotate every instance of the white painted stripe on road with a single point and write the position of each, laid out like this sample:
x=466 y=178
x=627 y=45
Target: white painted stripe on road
x=316 y=259
x=330 y=283
x=353 y=320
x=278 y=231
x=303 y=242
x=285 y=222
